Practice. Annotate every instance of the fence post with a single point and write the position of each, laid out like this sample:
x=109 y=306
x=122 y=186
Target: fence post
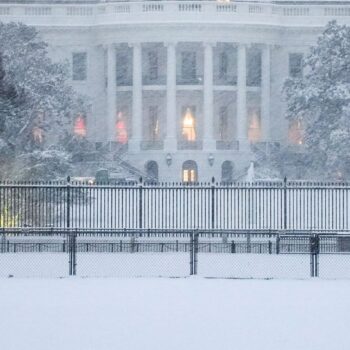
x=285 y=203
x=278 y=244
x=140 y=203
x=68 y=203
x=233 y=247
x=195 y=255
x=3 y=241
x=191 y=252
x=213 y=203
x=270 y=247
x=72 y=246
x=249 y=246
x=314 y=251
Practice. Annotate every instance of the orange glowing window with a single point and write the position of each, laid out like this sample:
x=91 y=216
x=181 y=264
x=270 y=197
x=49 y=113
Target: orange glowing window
x=296 y=132
x=254 y=127
x=121 y=129
x=80 y=126
x=189 y=126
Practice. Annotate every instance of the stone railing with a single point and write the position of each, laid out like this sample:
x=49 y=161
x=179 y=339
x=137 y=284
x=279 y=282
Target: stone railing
x=175 y=11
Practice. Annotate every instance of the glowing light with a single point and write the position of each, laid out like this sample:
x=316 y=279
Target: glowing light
x=188 y=126
x=80 y=126
x=254 y=130
x=121 y=131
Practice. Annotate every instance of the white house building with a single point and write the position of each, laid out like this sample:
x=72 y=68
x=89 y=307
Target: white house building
x=183 y=87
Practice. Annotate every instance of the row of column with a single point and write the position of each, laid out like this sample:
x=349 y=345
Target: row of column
x=208 y=96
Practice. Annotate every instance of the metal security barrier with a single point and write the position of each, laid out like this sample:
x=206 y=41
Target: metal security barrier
x=60 y=252
x=267 y=205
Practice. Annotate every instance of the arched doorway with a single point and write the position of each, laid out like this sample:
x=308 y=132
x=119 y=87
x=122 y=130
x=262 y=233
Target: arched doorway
x=152 y=170
x=227 y=171
x=189 y=171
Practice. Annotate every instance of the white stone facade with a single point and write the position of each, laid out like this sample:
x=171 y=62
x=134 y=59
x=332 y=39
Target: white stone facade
x=138 y=68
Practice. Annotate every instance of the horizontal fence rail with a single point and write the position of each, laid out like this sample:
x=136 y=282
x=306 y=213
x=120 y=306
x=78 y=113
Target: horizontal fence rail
x=278 y=205
x=60 y=252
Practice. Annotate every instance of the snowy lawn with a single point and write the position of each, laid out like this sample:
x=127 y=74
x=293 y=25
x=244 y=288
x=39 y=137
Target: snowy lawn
x=186 y=313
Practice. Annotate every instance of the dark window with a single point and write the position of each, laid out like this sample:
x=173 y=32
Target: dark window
x=124 y=61
x=152 y=170
x=227 y=171
x=223 y=67
x=253 y=67
x=296 y=65
x=188 y=65
x=223 y=124
x=153 y=65
x=79 y=63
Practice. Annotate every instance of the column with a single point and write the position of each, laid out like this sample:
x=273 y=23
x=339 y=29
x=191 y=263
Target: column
x=265 y=92
x=111 y=92
x=171 y=124
x=208 y=96
x=242 y=130
x=134 y=143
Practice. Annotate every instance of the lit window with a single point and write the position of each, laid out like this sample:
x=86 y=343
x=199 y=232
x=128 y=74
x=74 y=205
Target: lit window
x=121 y=129
x=80 y=126
x=296 y=65
x=153 y=123
x=79 y=62
x=254 y=127
x=296 y=132
x=188 y=125
x=189 y=171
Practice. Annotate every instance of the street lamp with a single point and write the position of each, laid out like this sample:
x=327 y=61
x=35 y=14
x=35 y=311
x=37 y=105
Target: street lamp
x=211 y=159
x=168 y=159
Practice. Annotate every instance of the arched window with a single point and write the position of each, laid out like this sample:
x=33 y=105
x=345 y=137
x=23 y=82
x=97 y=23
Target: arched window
x=189 y=171
x=152 y=170
x=227 y=171
x=80 y=126
x=189 y=125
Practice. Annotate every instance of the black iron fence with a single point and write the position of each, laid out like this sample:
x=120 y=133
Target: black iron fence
x=278 y=205
x=59 y=252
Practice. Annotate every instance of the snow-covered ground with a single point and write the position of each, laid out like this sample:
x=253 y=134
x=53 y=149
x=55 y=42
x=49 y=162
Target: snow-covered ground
x=174 y=314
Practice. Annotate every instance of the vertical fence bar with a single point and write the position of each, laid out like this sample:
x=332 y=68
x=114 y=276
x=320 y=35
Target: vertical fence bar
x=191 y=253
x=285 y=203
x=68 y=203
x=195 y=253
x=140 y=203
x=213 y=203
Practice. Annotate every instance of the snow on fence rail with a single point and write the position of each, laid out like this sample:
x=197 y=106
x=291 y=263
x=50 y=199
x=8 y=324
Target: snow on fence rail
x=281 y=205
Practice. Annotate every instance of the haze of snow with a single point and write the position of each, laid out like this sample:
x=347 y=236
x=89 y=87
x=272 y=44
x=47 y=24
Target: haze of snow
x=158 y=314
